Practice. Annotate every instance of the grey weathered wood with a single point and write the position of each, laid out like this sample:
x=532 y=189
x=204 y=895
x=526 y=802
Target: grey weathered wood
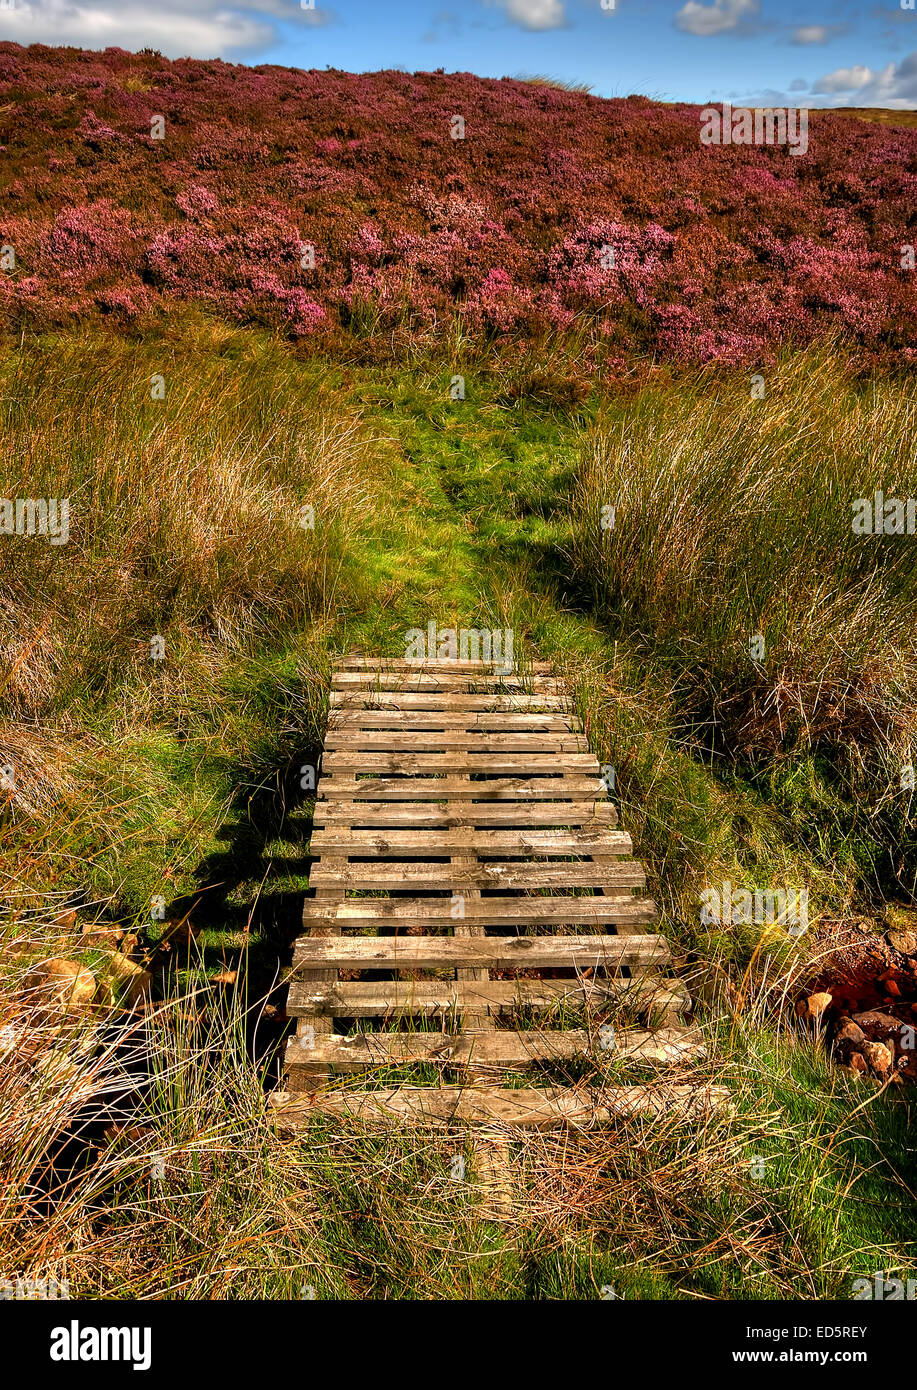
x=477 y=742
x=429 y=998
x=488 y=763
x=432 y=699
x=592 y=815
x=492 y=952
x=470 y=721
x=487 y=873
x=443 y=680
x=504 y=1047
x=508 y=912
x=552 y=785
x=397 y=842
x=386 y=663
x=543 y=1108
x=428 y=773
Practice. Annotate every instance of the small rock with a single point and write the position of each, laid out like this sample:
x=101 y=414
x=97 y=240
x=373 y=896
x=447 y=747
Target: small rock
x=129 y=979
x=875 y=1022
x=815 y=1006
x=63 y=982
x=894 y=1033
x=98 y=937
x=858 y=1062
x=848 y=1032
x=903 y=941
x=879 y=1058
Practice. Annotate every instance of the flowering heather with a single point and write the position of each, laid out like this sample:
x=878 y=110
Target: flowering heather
x=717 y=251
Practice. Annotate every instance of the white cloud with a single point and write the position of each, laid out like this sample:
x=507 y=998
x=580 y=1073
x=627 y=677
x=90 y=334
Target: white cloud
x=845 y=79
x=178 y=28
x=807 y=34
x=722 y=17
x=537 y=14
x=811 y=33
x=893 y=86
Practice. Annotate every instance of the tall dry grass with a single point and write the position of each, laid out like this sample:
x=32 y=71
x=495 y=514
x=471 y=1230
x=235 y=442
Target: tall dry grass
x=185 y=524
x=186 y=513
x=733 y=521
x=136 y=1158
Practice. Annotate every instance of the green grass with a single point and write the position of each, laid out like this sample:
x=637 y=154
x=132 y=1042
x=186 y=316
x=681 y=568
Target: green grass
x=182 y=778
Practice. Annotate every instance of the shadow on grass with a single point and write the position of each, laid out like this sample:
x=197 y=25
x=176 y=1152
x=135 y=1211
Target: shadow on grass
x=233 y=936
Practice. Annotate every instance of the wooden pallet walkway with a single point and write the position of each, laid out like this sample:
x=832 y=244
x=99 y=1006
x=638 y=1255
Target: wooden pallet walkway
x=470 y=868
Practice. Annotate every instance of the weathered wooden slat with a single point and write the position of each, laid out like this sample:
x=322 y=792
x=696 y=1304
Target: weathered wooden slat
x=400 y=843
x=502 y=1047
x=451 y=1049
x=542 y=1108
x=492 y=763
x=394 y=663
x=443 y=680
x=471 y=721
x=539 y=909
x=487 y=952
x=554 y=785
x=431 y=700
x=590 y=815
x=426 y=998
x=484 y=874
x=429 y=741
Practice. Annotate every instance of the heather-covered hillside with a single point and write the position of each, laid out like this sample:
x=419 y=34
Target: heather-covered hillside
x=718 y=252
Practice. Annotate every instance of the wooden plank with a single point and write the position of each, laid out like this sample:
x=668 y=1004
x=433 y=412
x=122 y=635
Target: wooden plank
x=490 y=952
x=553 y=786
x=394 y=663
x=492 y=763
x=427 y=998
x=472 y=721
x=429 y=740
x=439 y=700
x=503 y=1047
x=411 y=844
x=590 y=815
x=507 y=912
x=541 y=1108
x=484 y=874
x=454 y=681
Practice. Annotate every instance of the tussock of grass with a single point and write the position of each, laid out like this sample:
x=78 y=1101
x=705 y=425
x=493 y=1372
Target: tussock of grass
x=733 y=519
x=141 y=1164
x=185 y=513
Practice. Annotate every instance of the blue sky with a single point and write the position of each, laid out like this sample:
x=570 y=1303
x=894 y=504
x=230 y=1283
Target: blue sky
x=781 y=52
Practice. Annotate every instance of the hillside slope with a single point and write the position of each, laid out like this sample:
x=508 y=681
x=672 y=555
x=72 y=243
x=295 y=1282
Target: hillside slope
x=719 y=252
